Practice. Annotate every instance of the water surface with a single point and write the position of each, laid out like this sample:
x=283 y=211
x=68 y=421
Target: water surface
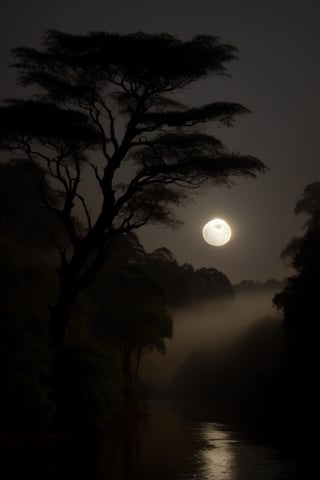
x=163 y=446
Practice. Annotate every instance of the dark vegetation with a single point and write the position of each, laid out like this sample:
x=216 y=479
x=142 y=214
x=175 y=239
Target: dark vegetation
x=118 y=317
x=252 y=286
x=105 y=107
x=76 y=319
x=72 y=343
x=299 y=302
x=299 y=298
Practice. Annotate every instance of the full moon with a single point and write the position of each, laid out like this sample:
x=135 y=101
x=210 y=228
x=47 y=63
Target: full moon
x=217 y=232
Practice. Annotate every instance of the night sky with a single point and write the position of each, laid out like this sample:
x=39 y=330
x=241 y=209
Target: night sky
x=277 y=77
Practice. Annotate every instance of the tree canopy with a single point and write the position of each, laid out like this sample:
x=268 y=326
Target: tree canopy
x=299 y=300
x=108 y=105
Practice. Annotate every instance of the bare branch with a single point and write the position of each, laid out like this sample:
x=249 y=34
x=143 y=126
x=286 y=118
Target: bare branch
x=85 y=208
x=95 y=171
x=95 y=117
x=63 y=214
x=111 y=119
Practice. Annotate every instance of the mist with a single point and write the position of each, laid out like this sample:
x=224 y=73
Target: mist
x=214 y=325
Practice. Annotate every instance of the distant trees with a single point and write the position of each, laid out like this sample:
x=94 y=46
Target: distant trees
x=250 y=286
x=210 y=283
x=104 y=108
x=132 y=294
x=183 y=284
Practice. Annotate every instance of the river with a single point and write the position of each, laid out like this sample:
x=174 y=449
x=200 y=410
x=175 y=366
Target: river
x=166 y=445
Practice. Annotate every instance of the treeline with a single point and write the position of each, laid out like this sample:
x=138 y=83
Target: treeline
x=251 y=286
x=181 y=284
x=122 y=314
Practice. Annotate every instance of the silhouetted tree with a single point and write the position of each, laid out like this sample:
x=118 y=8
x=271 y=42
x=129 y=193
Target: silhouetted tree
x=104 y=106
x=209 y=282
x=299 y=300
x=133 y=317
x=182 y=284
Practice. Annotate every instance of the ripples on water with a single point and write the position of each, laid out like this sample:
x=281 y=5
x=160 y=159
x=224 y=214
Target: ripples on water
x=223 y=457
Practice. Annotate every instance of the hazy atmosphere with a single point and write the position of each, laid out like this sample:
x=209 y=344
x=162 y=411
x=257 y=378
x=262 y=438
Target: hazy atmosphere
x=159 y=238
x=216 y=325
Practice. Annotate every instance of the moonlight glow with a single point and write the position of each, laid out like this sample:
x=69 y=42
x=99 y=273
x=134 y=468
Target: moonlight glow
x=216 y=232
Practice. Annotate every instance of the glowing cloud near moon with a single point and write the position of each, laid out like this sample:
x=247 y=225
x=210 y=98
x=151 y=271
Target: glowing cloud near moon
x=217 y=232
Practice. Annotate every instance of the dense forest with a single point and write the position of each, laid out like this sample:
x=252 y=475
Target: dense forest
x=122 y=314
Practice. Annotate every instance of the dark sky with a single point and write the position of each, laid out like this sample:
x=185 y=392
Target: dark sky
x=277 y=77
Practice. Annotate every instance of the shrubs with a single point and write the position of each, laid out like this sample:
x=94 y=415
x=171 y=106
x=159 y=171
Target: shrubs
x=79 y=386
x=25 y=400
x=88 y=386
x=83 y=390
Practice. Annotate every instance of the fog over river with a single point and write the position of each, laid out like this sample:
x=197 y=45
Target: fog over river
x=215 y=324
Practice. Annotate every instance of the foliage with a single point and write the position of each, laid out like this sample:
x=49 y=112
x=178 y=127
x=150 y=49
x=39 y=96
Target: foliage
x=87 y=385
x=105 y=105
x=299 y=298
x=182 y=283
x=26 y=396
x=304 y=253
x=134 y=318
x=251 y=286
x=24 y=223
x=309 y=205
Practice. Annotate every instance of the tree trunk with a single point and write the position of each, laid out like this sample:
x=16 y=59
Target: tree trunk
x=128 y=377
x=61 y=314
x=69 y=288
